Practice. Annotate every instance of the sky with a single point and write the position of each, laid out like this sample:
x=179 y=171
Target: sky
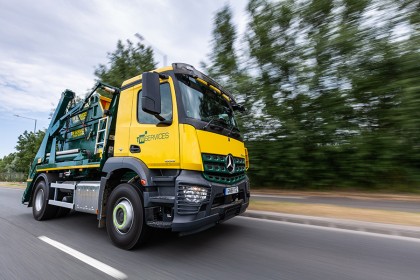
x=49 y=46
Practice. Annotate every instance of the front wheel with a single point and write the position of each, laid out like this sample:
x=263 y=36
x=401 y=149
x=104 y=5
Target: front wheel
x=125 y=222
x=41 y=210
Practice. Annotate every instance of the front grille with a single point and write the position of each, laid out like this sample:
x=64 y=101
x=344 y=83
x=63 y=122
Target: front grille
x=215 y=169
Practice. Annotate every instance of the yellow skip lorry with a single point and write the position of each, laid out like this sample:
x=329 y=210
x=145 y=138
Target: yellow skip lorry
x=164 y=152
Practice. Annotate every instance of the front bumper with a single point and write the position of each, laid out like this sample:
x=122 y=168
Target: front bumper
x=217 y=208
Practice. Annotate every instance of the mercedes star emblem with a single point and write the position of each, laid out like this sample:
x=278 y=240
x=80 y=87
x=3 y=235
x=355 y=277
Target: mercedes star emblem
x=230 y=164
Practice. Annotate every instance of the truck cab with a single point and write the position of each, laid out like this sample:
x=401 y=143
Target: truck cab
x=193 y=141
x=170 y=156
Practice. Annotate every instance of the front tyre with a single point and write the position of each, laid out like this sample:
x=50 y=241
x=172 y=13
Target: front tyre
x=125 y=222
x=41 y=210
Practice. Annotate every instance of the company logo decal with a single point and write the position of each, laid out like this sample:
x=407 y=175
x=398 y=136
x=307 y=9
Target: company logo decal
x=142 y=138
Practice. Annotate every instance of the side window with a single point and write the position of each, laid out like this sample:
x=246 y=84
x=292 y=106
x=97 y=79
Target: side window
x=166 y=106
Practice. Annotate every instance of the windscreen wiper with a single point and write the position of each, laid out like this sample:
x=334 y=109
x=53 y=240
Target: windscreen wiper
x=214 y=119
x=233 y=127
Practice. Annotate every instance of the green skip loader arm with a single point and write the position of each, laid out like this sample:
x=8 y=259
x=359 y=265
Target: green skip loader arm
x=58 y=120
x=66 y=97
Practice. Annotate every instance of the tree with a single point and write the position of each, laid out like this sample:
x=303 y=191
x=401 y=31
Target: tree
x=223 y=58
x=127 y=61
x=26 y=149
x=225 y=67
x=6 y=163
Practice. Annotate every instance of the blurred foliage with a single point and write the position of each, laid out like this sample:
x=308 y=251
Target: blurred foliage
x=18 y=162
x=13 y=176
x=331 y=88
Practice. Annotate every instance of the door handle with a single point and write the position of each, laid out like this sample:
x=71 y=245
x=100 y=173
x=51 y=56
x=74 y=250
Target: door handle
x=135 y=149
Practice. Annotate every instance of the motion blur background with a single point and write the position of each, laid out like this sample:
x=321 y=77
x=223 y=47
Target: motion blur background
x=331 y=87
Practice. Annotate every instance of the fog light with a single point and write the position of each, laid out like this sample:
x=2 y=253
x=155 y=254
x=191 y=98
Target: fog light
x=193 y=193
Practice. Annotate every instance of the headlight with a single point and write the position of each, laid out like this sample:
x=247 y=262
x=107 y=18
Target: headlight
x=194 y=194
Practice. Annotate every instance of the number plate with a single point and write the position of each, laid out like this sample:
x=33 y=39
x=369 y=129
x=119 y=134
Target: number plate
x=231 y=190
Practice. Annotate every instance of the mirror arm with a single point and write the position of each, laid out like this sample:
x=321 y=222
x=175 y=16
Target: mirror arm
x=162 y=76
x=164 y=123
x=159 y=117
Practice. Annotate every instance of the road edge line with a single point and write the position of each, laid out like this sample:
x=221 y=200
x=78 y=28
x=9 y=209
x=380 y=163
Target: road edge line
x=352 y=225
x=365 y=233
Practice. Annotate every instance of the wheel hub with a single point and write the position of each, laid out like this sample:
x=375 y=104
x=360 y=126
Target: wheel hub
x=39 y=200
x=123 y=216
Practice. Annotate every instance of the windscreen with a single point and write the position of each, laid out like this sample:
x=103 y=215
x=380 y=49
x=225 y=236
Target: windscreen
x=204 y=104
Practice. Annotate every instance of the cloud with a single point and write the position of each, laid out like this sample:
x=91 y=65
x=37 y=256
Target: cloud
x=31 y=87
x=48 y=46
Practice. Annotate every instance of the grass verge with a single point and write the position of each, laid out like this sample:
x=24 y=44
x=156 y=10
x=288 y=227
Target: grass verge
x=338 y=212
x=18 y=185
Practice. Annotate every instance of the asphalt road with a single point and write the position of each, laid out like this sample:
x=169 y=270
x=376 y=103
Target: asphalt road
x=381 y=204
x=242 y=248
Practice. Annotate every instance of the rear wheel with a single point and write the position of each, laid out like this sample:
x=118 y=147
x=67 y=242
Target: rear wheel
x=40 y=208
x=125 y=221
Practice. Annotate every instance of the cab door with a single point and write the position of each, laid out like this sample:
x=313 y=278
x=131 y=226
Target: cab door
x=153 y=141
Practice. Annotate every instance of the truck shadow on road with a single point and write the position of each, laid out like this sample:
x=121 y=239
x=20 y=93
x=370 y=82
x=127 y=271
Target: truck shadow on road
x=83 y=228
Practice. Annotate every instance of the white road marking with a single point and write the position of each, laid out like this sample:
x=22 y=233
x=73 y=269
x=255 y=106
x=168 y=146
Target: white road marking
x=85 y=258
x=395 y=237
x=277 y=196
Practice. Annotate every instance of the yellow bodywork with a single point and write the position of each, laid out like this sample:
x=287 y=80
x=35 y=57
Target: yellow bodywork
x=190 y=153
x=195 y=142
x=123 y=124
x=159 y=144
x=213 y=143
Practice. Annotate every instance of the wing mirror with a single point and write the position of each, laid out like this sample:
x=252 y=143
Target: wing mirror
x=150 y=100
